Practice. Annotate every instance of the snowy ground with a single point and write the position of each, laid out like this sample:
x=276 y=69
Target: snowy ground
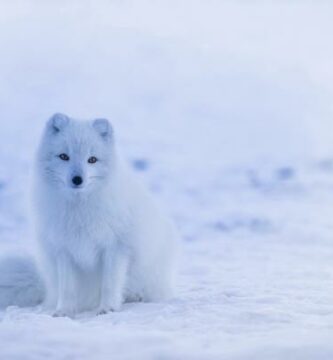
x=224 y=109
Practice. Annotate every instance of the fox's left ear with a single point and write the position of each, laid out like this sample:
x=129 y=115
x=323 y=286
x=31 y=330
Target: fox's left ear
x=103 y=127
x=58 y=122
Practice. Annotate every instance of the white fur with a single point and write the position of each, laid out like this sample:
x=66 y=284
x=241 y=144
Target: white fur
x=105 y=242
x=20 y=281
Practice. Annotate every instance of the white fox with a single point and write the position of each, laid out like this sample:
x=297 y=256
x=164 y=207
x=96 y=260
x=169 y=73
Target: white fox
x=101 y=239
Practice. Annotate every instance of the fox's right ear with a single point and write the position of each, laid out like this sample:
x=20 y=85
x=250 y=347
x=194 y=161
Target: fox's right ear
x=57 y=122
x=103 y=127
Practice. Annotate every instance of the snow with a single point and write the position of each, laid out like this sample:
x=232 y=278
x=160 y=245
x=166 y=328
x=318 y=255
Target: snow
x=224 y=110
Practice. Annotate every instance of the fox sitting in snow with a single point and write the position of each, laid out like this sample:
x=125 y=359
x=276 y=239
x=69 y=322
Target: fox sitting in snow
x=101 y=240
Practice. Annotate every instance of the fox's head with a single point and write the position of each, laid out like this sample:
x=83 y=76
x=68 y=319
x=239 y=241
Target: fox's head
x=76 y=155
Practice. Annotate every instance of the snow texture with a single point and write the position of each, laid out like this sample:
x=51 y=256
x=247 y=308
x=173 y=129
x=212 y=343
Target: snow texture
x=224 y=109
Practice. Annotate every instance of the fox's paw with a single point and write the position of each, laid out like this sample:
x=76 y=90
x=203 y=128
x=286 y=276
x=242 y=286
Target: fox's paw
x=103 y=310
x=111 y=305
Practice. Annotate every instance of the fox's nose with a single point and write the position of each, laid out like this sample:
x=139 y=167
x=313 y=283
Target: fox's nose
x=77 y=180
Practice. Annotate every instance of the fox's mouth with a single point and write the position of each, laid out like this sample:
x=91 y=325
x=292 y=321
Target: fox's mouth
x=77 y=187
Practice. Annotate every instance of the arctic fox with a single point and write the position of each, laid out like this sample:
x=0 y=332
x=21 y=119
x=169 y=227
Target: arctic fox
x=101 y=239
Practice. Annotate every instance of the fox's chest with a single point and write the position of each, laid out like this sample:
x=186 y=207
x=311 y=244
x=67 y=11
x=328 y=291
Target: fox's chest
x=90 y=227
x=83 y=235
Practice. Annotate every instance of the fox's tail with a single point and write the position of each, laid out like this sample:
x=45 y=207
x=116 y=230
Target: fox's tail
x=20 y=282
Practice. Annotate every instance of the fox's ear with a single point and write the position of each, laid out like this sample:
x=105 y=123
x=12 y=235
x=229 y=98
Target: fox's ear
x=103 y=127
x=58 y=122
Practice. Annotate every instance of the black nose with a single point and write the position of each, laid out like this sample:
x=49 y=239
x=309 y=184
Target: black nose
x=77 y=180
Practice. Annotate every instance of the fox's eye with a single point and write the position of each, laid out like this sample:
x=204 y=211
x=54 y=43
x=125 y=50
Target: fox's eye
x=64 y=157
x=92 y=160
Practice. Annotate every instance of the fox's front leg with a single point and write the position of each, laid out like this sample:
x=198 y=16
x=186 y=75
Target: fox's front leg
x=114 y=273
x=67 y=286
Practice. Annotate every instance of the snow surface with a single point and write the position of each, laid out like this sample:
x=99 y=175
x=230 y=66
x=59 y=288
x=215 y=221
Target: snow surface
x=224 y=109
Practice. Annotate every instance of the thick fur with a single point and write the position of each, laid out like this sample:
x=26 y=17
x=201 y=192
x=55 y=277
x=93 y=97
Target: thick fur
x=99 y=244
x=20 y=281
x=104 y=242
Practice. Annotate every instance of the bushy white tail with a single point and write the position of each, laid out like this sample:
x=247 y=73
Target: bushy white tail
x=20 y=282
